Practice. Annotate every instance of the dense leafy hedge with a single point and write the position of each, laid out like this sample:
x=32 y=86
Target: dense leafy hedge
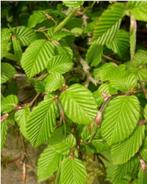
x=74 y=80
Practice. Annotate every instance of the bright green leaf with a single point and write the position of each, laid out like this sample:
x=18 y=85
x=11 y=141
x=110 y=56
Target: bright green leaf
x=79 y=104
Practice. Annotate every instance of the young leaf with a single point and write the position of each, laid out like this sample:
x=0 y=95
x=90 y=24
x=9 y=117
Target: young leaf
x=142 y=177
x=9 y=103
x=36 y=57
x=4 y=129
x=73 y=172
x=53 y=82
x=105 y=72
x=138 y=10
x=49 y=160
x=25 y=35
x=21 y=117
x=60 y=63
x=120 y=118
x=140 y=57
x=123 y=81
x=122 y=173
x=109 y=23
x=41 y=122
x=6 y=34
x=79 y=104
x=36 y=18
x=94 y=54
x=120 y=44
x=128 y=147
x=73 y=4
x=16 y=48
x=8 y=71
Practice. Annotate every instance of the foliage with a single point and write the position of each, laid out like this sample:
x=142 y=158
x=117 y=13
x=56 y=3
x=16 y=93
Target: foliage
x=74 y=80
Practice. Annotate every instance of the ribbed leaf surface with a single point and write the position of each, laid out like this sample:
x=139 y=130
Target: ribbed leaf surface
x=108 y=24
x=120 y=118
x=79 y=104
x=25 y=35
x=94 y=54
x=138 y=10
x=121 y=173
x=36 y=18
x=41 y=122
x=73 y=172
x=120 y=44
x=4 y=128
x=48 y=162
x=53 y=82
x=122 y=152
x=21 y=117
x=36 y=57
x=9 y=103
x=7 y=72
x=60 y=63
x=73 y=4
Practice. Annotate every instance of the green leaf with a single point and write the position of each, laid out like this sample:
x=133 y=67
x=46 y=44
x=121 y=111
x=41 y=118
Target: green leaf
x=36 y=57
x=142 y=177
x=53 y=82
x=36 y=18
x=41 y=122
x=8 y=71
x=122 y=173
x=109 y=23
x=4 y=129
x=120 y=118
x=145 y=112
x=105 y=72
x=6 y=34
x=138 y=10
x=49 y=160
x=21 y=117
x=120 y=44
x=9 y=103
x=73 y=172
x=5 y=48
x=60 y=63
x=143 y=151
x=94 y=54
x=24 y=34
x=79 y=104
x=123 y=151
x=16 y=48
x=140 y=57
x=100 y=145
x=72 y=4
x=124 y=81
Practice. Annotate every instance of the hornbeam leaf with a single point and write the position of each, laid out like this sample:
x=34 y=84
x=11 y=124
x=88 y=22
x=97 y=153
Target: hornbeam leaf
x=109 y=23
x=9 y=103
x=8 y=72
x=49 y=160
x=120 y=118
x=73 y=171
x=24 y=34
x=36 y=57
x=79 y=104
x=60 y=63
x=41 y=122
x=4 y=130
x=53 y=82
x=21 y=117
x=120 y=44
x=123 y=151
